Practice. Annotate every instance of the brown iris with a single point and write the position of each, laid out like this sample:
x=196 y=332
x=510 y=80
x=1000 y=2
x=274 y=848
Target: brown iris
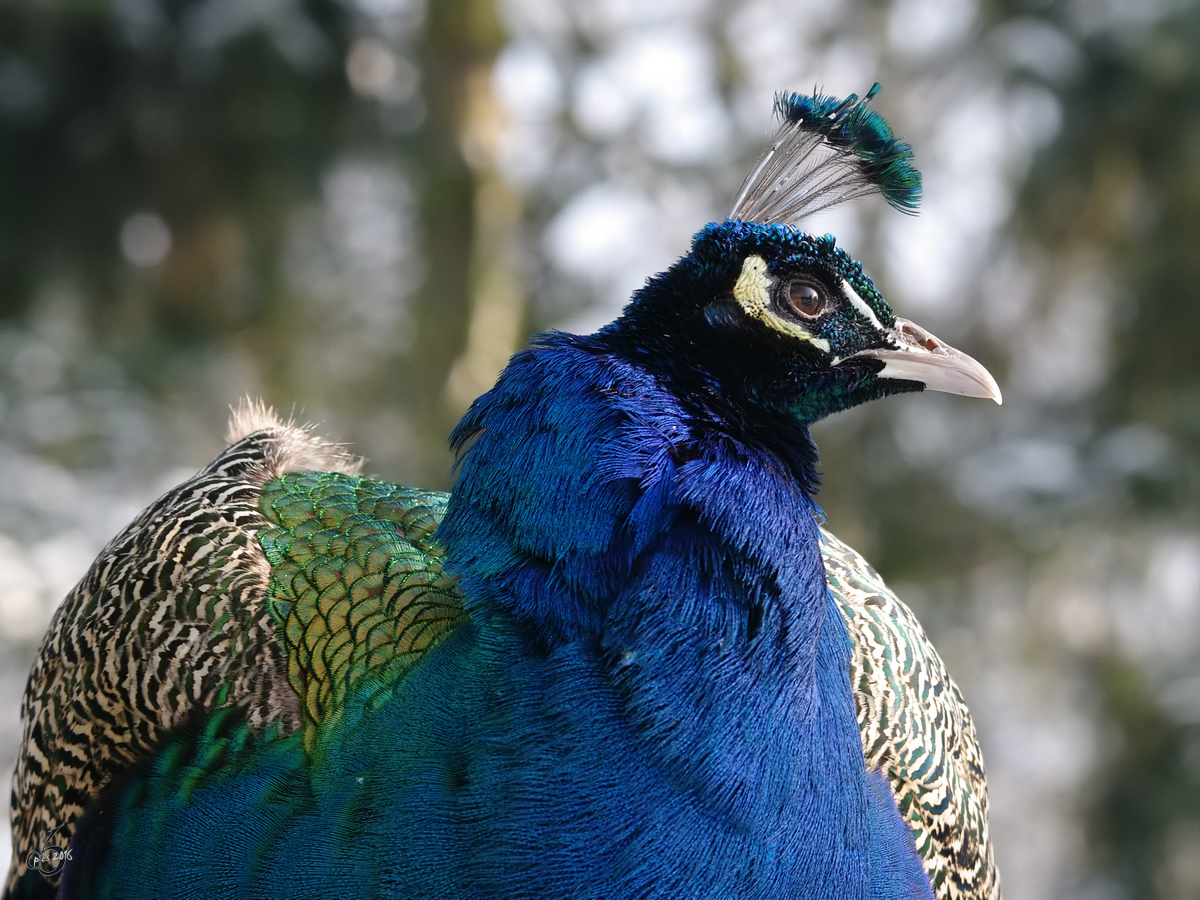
x=806 y=299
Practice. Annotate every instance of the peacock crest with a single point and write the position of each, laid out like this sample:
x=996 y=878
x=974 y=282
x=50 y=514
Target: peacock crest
x=827 y=151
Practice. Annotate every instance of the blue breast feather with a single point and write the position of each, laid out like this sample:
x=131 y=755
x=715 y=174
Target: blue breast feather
x=651 y=698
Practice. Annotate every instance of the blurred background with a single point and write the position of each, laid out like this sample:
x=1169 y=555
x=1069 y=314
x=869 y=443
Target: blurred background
x=357 y=209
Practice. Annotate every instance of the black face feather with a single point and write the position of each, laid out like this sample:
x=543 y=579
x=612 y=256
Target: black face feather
x=760 y=321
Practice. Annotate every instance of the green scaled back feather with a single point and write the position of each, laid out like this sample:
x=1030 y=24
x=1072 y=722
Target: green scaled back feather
x=356 y=584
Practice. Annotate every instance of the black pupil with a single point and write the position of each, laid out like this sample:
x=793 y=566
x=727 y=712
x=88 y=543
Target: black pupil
x=806 y=299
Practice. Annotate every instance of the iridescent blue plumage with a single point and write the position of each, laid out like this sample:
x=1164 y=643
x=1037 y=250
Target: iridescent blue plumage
x=615 y=667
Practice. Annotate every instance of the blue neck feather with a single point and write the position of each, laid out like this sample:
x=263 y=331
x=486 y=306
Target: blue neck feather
x=614 y=461
x=680 y=557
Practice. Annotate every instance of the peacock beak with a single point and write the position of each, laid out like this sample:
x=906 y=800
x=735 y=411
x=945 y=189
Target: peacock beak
x=921 y=357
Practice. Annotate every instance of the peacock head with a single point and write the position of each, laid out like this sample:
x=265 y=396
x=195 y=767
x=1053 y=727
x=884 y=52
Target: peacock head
x=761 y=314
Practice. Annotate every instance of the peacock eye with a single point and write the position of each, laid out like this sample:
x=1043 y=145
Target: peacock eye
x=806 y=299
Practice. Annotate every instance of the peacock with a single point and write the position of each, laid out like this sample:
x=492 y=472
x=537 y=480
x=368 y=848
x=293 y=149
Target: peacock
x=622 y=658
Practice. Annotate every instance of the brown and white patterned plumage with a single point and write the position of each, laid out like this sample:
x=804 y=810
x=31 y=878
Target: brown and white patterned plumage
x=916 y=727
x=173 y=620
x=169 y=621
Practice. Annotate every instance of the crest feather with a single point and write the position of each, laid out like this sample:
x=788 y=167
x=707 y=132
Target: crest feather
x=827 y=151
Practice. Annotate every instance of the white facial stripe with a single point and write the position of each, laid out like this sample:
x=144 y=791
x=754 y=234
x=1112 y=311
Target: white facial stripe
x=753 y=294
x=861 y=305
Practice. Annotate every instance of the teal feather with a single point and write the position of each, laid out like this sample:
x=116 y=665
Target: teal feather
x=828 y=150
x=850 y=124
